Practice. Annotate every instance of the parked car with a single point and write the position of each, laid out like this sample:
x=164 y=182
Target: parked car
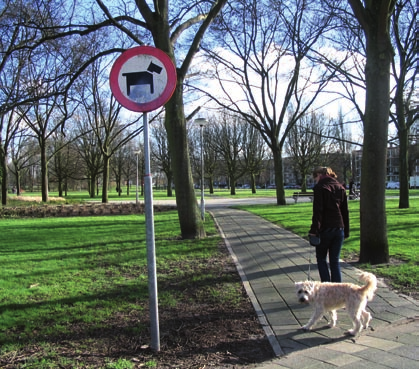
x=393 y=185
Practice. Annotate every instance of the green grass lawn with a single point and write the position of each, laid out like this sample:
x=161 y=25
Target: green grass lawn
x=60 y=273
x=403 y=233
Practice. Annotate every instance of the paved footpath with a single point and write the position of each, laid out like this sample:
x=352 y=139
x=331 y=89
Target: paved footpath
x=269 y=260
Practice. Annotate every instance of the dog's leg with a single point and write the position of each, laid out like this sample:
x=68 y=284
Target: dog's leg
x=366 y=318
x=317 y=314
x=356 y=317
x=333 y=318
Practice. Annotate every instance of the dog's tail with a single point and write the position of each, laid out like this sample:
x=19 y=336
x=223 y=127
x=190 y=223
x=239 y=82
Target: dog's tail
x=371 y=284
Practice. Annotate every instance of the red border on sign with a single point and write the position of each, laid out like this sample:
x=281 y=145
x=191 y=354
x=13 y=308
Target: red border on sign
x=168 y=90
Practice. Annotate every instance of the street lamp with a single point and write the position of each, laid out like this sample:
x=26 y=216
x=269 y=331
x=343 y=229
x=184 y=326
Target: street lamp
x=136 y=182
x=202 y=122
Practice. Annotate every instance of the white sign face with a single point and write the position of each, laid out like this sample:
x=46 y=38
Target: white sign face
x=142 y=78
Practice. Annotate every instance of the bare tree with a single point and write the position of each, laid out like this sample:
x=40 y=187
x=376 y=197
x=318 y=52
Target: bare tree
x=87 y=148
x=254 y=153
x=102 y=113
x=136 y=23
x=65 y=163
x=405 y=72
x=343 y=143
x=190 y=220
x=12 y=66
x=185 y=25
x=306 y=141
x=210 y=155
x=269 y=60
x=9 y=129
x=21 y=156
x=45 y=118
x=229 y=144
x=116 y=166
x=41 y=67
x=160 y=153
x=128 y=165
x=370 y=39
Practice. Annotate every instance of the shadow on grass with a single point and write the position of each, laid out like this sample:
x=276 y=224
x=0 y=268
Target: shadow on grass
x=198 y=326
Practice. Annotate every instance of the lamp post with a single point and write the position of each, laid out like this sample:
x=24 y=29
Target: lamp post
x=202 y=122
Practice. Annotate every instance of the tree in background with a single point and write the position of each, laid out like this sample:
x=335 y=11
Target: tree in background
x=9 y=133
x=41 y=67
x=306 y=141
x=230 y=132
x=65 y=163
x=127 y=23
x=343 y=144
x=254 y=153
x=87 y=148
x=405 y=110
x=23 y=151
x=160 y=153
x=45 y=118
x=103 y=116
x=269 y=59
x=211 y=156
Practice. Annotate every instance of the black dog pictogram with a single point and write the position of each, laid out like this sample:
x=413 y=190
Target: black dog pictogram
x=142 y=78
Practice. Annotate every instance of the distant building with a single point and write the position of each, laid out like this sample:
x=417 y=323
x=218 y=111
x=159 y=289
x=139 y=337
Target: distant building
x=393 y=159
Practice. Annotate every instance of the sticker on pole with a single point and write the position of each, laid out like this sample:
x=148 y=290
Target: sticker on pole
x=143 y=78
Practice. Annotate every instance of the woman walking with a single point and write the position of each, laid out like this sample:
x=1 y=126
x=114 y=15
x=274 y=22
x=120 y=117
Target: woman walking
x=330 y=222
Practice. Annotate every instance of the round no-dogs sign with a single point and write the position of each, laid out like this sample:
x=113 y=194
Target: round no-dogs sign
x=143 y=78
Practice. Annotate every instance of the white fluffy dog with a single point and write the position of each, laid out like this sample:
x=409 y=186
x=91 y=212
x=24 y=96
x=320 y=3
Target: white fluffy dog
x=331 y=296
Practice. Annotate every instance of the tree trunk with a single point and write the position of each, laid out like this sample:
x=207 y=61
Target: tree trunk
x=374 y=244
x=169 y=190
x=211 y=184
x=232 y=185
x=105 y=179
x=4 y=177
x=18 y=180
x=253 y=183
x=119 y=186
x=60 y=187
x=92 y=186
x=279 y=175
x=189 y=214
x=44 y=172
x=191 y=225
x=404 y=168
x=304 y=182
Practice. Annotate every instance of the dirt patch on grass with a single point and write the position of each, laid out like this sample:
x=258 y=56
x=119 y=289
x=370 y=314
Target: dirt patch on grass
x=207 y=323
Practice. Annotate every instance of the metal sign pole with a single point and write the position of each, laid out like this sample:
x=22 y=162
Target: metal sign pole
x=151 y=248
x=152 y=72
